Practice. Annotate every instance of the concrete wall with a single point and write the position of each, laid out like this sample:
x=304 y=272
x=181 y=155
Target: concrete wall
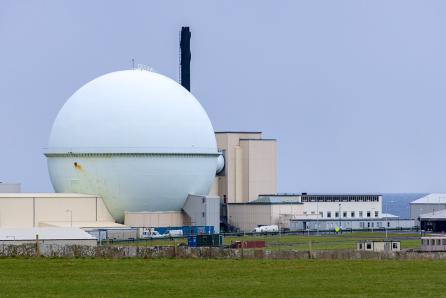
x=250 y=167
x=260 y=166
x=155 y=219
x=29 y=210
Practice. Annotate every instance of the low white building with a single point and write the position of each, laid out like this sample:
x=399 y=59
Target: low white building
x=329 y=206
x=326 y=224
x=46 y=236
x=378 y=245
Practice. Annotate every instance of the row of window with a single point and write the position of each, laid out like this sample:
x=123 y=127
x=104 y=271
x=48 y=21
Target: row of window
x=372 y=224
x=340 y=198
x=345 y=214
x=433 y=241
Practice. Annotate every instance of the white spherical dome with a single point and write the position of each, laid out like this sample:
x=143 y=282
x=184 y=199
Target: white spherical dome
x=137 y=138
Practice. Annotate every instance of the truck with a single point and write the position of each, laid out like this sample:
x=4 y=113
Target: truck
x=267 y=229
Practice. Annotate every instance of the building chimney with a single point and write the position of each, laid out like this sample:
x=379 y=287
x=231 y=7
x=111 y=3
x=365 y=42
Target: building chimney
x=185 y=57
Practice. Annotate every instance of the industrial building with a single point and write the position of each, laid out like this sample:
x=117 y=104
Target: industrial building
x=167 y=167
x=313 y=211
x=428 y=204
x=248 y=216
x=250 y=167
x=433 y=221
x=30 y=210
x=46 y=236
x=391 y=222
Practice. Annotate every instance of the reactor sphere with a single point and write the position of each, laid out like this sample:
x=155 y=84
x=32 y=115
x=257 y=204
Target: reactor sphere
x=136 y=138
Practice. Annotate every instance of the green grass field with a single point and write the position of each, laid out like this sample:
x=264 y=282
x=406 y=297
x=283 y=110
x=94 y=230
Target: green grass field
x=220 y=278
x=301 y=242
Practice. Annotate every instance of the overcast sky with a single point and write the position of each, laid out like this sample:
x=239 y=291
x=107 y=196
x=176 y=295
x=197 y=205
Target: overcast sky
x=354 y=91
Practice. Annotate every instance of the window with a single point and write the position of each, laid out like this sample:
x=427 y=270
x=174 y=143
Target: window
x=336 y=214
x=360 y=213
x=368 y=225
x=312 y=212
x=360 y=245
x=369 y=246
x=344 y=214
x=368 y=213
x=376 y=213
x=328 y=214
x=395 y=245
x=373 y=224
x=321 y=214
x=361 y=224
x=352 y=214
x=388 y=224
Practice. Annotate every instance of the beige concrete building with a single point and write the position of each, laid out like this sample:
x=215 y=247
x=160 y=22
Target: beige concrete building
x=27 y=210
x=248 y=216
x=250 y=166
x=156 y=219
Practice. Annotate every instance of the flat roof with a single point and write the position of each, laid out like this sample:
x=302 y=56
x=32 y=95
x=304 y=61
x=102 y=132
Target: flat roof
x=46 y=195
x=83 y=224
x=266 y=203
x=258 y=139
x=433 y=198
x=15 y=234
x=241 y=132
x=336 y=219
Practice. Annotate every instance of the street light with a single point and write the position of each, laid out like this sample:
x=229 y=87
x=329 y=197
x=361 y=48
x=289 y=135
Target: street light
x=71 y=216
x=339 y=215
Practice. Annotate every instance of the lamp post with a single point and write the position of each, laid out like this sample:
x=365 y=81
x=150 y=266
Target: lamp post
x=339 y=215
x=71 y=216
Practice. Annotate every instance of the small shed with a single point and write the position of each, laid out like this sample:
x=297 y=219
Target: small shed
x=378 y=245
x=433 y=243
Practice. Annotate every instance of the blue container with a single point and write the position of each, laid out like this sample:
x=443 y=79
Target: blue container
x=192 y=241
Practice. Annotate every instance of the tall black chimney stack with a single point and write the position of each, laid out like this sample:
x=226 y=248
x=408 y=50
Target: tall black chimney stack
x=185 y=57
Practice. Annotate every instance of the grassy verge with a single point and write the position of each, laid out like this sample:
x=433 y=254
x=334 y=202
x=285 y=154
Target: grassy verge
x=220 y=278
x=301 y=242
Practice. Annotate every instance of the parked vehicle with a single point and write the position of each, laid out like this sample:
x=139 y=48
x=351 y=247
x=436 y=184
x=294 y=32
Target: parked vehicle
x=267 y=229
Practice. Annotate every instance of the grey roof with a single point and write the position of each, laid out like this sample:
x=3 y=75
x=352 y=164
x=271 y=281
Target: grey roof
x=433 y=198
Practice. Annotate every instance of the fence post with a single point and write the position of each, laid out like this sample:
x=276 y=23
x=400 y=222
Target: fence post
x=37 y=246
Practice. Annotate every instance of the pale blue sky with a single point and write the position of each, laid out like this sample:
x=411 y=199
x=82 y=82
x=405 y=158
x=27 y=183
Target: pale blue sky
x=354 y=91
